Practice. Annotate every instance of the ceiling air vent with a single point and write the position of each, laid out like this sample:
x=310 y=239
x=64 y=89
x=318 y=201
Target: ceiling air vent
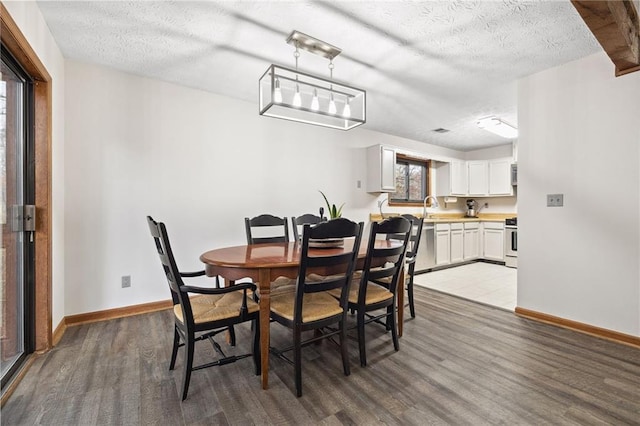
x=441 y=130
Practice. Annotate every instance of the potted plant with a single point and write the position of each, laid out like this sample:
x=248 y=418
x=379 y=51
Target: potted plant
x=334 y=212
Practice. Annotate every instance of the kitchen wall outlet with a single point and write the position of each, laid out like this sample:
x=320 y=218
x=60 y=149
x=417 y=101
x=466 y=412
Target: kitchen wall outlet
x=555 y=200
x=358 y=184
x=126 y=281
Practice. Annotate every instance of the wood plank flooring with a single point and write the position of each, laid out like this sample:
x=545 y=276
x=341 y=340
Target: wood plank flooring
x=459 y=363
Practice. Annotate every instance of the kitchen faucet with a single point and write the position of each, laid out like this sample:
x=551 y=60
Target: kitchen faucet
x=380 y=203
x=434 y=204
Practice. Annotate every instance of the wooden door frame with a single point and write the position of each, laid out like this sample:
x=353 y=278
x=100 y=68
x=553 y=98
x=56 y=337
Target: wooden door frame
x=17 y=44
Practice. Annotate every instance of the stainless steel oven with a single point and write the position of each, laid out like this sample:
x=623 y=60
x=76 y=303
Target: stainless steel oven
x=511 y=242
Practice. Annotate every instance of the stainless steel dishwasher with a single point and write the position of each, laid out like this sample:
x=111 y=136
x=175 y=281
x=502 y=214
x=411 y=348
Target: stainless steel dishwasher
x=426 y=258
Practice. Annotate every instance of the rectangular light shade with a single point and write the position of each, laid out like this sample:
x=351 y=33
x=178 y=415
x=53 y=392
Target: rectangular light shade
x=498 y=127
x=278 y=87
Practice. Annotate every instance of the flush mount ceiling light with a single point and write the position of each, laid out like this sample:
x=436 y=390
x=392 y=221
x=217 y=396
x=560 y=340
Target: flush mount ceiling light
x=297 y=96
x=498 y=127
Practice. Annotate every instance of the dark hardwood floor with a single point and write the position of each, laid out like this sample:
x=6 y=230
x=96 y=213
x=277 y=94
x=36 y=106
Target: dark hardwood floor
x=459 y=363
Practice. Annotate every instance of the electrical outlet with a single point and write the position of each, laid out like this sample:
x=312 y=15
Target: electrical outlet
x=358 y=184
x=555 y=200
x=126 y=281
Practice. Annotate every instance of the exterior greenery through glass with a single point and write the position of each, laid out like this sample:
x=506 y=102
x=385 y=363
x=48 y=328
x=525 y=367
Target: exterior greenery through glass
x=412 y=180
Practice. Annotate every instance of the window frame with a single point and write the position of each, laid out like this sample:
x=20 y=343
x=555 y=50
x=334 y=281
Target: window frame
x=408 y=159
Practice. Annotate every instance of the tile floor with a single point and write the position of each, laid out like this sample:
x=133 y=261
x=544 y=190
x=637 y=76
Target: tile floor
x=487 y=283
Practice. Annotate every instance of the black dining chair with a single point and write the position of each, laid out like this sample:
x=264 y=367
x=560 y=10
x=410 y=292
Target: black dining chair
x=410 y=258
x=278 y=228
x=375 y=287
x=200 y=313
x=299 y=221
x=311 y=306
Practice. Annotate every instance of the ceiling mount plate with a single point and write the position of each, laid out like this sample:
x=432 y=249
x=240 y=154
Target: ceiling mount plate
x=313 y=45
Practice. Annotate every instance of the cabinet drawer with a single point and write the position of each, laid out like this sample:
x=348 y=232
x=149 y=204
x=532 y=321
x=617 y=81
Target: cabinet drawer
x=493 y=225
x=443 y=226
x=457 y=225
x=471 y=225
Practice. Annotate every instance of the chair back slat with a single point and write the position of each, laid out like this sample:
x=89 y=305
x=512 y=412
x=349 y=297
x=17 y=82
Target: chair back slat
x=338 y=268
x=383 y=264
x=416 y=235
x=299 y=221
x=279 y=226
x=172 y=274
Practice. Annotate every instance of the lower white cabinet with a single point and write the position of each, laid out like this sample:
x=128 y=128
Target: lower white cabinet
x=457 y=243
x=443 y=246
x=471 y=240
x=493 y=241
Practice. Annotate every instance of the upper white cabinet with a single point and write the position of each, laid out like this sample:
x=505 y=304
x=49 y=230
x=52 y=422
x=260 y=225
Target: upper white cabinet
x=478 y=178
x=474 y=178
x=381 y=169
x=452 y=178
x=500 y=177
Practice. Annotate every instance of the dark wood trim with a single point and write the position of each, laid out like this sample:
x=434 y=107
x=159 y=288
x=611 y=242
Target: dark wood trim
x=20 y=48
x=591 y=330
x=616 y=26
x=109 y=314
x=11 y=387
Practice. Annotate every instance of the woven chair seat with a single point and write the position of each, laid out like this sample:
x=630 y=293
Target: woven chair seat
x=315 y=306
x=214 y=307
x=375 y=293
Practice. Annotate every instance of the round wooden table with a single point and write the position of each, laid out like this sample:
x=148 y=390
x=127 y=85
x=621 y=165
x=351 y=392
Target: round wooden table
x=263 y=263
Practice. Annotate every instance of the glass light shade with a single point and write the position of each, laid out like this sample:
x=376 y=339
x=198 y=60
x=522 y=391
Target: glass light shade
x=277 y=93
x=346 y=112
x=332 y=105
x=309 y=85
x=315 y=104
x=297 y=101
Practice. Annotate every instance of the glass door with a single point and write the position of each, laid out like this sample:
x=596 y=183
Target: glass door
x=16 y=193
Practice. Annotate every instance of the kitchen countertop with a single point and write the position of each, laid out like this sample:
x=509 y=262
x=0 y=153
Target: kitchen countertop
x=451 y=217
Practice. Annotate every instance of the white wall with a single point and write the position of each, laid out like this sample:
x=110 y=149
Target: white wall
x=197 y=161
x=580 y=136
x=31 y=23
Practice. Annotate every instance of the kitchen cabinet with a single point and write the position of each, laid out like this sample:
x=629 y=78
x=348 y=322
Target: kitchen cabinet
x=493 y=241
x=451 y=178
x=500 y=177
x=478 y=178
x=443 y=247
x=381 y=169
x=456 y=243
x=471 y=243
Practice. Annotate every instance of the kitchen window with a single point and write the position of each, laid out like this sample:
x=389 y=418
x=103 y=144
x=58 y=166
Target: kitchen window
x=412 y=181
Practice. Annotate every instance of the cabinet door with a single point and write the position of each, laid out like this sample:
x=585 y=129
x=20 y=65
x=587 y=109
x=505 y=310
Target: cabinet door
x=494 y=244
x=500 y=177
x=478 y=178
x=442 y=248
x=457 y=246
x=381 y=169
x=459 y=178
x=471 y=244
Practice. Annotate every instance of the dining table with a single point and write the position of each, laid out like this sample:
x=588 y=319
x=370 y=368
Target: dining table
x=263 y=263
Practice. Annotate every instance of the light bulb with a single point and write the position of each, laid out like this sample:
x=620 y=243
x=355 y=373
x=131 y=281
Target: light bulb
x=315 y=105
x=277 y=93
x=332 y=105
x=346 y=113
x=297 y=101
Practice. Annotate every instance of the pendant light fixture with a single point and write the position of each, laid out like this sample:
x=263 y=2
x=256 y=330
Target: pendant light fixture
x=307 y=98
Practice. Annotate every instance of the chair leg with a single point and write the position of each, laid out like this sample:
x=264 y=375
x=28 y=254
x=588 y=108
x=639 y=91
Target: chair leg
x=391 y=315
x=412 y=307
x=361 y=343
x=344 y=349
x=174 y=351
x=188 y=364
x=297 y=359
x=255 y=327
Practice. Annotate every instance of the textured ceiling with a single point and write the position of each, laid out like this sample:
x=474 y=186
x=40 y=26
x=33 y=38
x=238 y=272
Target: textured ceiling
x=424 y=64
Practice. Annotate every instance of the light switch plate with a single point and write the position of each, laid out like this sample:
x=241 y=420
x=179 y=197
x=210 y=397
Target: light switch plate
x=555 y=200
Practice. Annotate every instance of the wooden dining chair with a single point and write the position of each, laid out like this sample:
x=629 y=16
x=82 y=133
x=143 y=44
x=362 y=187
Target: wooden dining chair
x=277 y=227
x=200 y=313
x=410 y=258
x=311 y=306
x=299 y=221
x=376 y=288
